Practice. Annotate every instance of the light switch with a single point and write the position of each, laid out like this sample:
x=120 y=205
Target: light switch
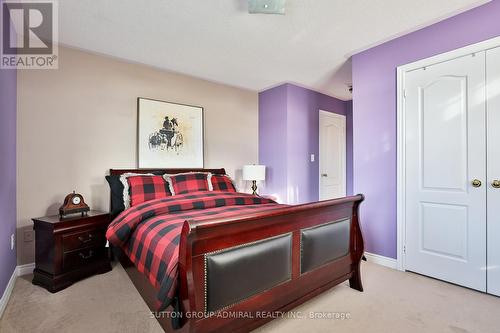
x=312 y=157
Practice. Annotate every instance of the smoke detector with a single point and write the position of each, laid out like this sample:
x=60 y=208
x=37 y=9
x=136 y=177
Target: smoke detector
x=266 y=7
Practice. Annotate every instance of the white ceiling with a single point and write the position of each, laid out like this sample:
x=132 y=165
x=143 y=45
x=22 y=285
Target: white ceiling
x=219 y=41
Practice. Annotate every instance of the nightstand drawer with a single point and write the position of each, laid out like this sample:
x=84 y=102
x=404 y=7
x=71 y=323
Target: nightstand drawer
x=79 y=258
x=80 y=240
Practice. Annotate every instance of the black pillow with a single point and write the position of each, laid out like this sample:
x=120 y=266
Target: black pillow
x=116 y=187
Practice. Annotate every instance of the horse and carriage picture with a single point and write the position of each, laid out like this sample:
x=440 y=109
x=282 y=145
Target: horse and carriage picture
x=170 y=135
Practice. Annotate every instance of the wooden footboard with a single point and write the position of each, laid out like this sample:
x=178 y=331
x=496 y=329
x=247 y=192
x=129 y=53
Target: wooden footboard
x=235 y=272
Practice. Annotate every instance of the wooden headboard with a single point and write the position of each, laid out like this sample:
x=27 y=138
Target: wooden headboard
x=169 y=171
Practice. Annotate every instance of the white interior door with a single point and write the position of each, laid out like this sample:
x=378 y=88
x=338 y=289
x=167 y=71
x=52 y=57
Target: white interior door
x=493 y=206
x=445 y=151
x=332 y=155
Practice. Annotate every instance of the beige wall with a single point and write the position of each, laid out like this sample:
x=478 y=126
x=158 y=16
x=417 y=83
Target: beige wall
x=77 y=122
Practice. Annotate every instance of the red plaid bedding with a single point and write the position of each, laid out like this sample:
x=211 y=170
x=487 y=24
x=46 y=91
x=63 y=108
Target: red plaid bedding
x=183 y=183
x=150 y=232
x=146 y=188
x=222 y=183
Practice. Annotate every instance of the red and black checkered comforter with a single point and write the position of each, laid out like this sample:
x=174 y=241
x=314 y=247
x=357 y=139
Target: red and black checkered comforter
x=149 y=233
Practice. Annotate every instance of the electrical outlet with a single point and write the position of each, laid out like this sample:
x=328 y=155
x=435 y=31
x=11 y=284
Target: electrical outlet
x=28 y=235
x=12 y=242
x=312 y=157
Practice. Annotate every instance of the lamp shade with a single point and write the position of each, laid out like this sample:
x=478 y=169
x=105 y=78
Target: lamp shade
x=254 y=172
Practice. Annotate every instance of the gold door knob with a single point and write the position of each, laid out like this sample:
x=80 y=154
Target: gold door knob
x=476 y=183
x=496 y=183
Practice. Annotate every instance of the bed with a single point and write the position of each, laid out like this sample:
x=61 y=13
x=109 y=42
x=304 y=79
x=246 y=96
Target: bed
x=237 y=259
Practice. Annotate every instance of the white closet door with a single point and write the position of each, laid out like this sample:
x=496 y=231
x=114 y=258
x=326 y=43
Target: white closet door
x=445 y=151
x=493 y=121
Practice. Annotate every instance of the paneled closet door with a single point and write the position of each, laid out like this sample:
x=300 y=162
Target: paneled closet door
x=445 y=155
x=493 y=184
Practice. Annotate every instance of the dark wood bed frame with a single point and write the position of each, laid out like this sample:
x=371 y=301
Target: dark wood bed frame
x=200 y=238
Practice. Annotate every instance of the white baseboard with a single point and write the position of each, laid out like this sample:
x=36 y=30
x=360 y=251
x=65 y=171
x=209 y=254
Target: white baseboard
x=18 y=271
x=7 y=292
x=25 y=269
x=381 y=260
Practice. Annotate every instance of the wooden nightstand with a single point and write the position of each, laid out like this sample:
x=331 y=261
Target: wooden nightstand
x=69 y=249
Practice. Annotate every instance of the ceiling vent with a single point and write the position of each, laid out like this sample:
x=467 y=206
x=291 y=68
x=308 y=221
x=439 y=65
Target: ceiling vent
x=266 y=7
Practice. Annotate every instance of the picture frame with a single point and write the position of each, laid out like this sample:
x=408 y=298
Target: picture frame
x=169 y=135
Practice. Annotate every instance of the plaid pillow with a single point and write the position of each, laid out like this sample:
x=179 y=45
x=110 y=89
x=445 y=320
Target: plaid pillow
x=222 y=183
x=145 y=188
x=182 y=183
x=126 y=190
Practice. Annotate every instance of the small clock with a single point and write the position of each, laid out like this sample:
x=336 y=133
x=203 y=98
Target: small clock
x=73 y=203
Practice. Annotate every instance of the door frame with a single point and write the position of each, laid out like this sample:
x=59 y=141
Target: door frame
x=342 y=118
x=400 y=115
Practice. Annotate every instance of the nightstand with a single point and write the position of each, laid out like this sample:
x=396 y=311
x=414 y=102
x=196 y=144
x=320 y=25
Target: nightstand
x=69 y=249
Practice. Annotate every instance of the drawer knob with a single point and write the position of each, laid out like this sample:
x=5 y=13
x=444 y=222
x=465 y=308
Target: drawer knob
x=88 y=256
x=83 y=240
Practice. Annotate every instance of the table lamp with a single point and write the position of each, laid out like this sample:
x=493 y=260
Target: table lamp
x=254 y=173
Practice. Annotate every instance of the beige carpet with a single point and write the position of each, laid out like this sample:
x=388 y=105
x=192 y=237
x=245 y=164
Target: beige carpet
x=392 y=302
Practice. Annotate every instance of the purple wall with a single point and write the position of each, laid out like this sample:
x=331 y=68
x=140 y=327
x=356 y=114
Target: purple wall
x=8 y=96
x=289 y=133
x=272 y=139
x=374 y=115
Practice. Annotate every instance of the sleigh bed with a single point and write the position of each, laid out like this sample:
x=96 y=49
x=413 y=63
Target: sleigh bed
x=237 y=266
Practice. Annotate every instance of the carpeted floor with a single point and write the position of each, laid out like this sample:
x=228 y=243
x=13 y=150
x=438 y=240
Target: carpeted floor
x=392 y=302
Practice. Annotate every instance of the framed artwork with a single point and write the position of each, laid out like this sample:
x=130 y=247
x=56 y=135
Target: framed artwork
x=170 y=135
